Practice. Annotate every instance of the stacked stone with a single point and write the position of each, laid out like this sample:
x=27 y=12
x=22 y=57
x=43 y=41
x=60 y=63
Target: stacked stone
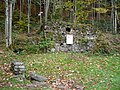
x=18 y=67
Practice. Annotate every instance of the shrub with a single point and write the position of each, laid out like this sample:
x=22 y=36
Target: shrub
x=102 y=44
x=42 y=46
x=45 y=45
x=106 y=43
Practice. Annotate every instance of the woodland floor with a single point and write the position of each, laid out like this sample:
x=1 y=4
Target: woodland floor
x=92 y=72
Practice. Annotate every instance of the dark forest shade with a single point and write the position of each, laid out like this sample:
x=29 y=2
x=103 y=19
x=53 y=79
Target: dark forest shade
x=68 y=29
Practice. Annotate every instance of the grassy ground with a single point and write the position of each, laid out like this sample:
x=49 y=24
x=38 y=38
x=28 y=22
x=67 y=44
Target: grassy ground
x=94 y=72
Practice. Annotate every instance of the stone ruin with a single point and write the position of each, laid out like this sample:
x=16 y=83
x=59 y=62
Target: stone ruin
x=80 y=40
x=18 y=69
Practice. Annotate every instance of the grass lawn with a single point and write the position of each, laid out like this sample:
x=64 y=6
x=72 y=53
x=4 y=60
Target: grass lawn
x=94 y=72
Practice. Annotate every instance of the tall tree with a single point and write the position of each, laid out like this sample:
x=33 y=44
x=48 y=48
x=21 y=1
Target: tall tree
x=115 y=28
x=114 y=15
x=10 y=24
x=40 y=13
x=20 y=9
x=47 y=2
x=29 y=11
x=6 y=23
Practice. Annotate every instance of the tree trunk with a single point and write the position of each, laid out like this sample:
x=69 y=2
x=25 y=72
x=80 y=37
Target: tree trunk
x=93 y=14
x=29 y=2
x=6 y=23
x=14 y=5
x=46 y=9
x=114 y=16
x=98 y=14
x=10 y=30
x=53 y=9
x=115 y=31
x=40 y=16
x=75 y=2
x=20 y=9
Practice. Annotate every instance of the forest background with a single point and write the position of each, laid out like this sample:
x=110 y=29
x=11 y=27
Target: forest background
x=23 y=18
x=30 y=29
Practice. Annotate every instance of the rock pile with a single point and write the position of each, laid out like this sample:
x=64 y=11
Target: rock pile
x=38 y=80
x=36 y=77
x=18 y=67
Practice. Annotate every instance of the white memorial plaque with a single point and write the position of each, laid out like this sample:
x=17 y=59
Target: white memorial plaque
x=69 y=39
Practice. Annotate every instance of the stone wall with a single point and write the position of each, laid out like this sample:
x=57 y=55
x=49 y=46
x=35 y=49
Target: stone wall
x=83 y=40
